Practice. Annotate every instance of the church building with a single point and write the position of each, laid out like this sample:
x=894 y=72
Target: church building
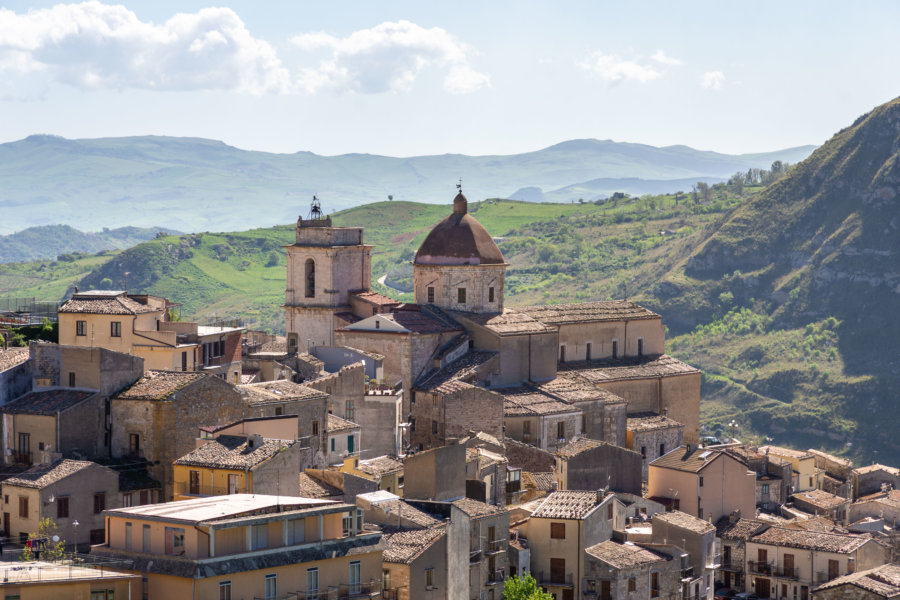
x=544 y=375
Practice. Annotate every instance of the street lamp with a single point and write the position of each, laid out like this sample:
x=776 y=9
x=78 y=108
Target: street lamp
x=733 y=426
x=75 y=525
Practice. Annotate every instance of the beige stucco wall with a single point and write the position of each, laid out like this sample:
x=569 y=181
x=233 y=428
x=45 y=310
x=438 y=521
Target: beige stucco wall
x=601 y=334
x=447 y=279
x=120 y=585
x=727 y=486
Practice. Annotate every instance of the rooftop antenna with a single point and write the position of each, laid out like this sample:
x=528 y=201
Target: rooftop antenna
x=459 y=186
x=315 y=209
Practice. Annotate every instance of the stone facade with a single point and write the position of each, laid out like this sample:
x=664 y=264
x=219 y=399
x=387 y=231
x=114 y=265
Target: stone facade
x=590 y=465
x=15 y=374
x=440 y=415
x=652 y=436
x=446 y=281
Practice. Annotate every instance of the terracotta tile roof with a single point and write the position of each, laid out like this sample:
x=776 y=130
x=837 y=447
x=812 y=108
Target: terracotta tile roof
x=276 y=392
x=403 y=546
x=684 y=521
x=831 y=457
x=542 y=481
x=785 y=452
x=375 y=298
x=407 y=512
x=347 y=317
x=232 y=452
x=313 y=488
x=875 y=468
x=576 y=447
x=601 y=371
x=681 y=459
x=883 y=581
x=741 y=530
x=573 y=390
x=476 y=509
x=12 y=357
x=337 y=424
x=279 y=344
x=410 y=317
x=819 y=524
x=40 y=476
x=464 y=367
x=566 y=504
x=115 y=303
x=47 y=402
x=810 y=540
x=820 y=499
x=623 y=556
x=380 y=466
x=648 y=421
x=510 y=322
x=527 y=400
x=587 y=312
x=159 y=385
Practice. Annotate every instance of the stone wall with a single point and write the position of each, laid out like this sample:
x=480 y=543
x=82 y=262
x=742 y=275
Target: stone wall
x=346 y=385
x=280 y=474
x=446 y=280
x=439 y=417
x=529 y=458
x=648 y=444
x=15 y=382
x=436 y=474
x=604 y=420
x=603 y=466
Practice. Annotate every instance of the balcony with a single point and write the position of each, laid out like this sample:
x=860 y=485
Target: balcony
x=551 y=579
x=344 y=591
x=22 y=458
x=495 y=547
x=760 y=568
x=788 y=573
x=475 y=556
x=496 y=577
x=714 y=561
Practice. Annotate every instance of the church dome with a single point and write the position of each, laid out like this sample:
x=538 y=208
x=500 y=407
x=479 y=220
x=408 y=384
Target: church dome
x=459 y=240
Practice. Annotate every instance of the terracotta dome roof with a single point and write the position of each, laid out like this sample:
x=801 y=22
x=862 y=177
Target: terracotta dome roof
x=459 y=240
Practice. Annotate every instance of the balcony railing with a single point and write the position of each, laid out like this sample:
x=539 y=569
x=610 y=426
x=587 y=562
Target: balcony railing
x=22 y=458
x=788 y=573
x=497 y=576
x=549 y=578
x=344 y=591
x=495 y=546
x=761 y=568
x=713 y=561
x=732 y=565
x=475 y=556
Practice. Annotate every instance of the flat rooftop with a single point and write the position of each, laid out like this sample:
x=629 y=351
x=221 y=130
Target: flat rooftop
x=217 y=508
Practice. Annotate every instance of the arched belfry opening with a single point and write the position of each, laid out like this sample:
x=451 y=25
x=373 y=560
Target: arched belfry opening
x=310 y=278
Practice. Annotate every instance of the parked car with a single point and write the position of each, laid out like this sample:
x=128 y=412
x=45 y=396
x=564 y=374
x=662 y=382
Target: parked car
x=725 y=593
x=746 y=596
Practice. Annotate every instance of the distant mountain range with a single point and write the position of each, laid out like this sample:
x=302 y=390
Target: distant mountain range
x=193 y=184
x=49 y=241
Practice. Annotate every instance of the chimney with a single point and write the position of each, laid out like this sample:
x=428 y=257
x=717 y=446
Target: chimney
x=254 y=440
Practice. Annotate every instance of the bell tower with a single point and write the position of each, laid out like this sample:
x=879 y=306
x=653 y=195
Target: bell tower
x=324 y=266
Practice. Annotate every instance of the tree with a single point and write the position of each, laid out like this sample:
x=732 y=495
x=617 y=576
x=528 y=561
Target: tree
x=45 y=543
x=524 y=588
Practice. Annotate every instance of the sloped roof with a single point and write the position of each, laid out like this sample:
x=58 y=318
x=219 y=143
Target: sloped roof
x=233 y=452
x=464 y=367
x=810 y=540
x=40 y=476
x=527 y=400
x=567 y=504
x=112 y=303
x=576 y=447
x=574 y=390
x=476 y=509
x=313 y=488
x=509 y=322
x=690 y=461
x=403 y=546
x=337 y=424
x=603 y=371
x=13 y=357
x=623 y=556
x=47 y=402
x=786 y=452
x=159 y=385
x=740 y=530
x=380 y=466
x=649 y=421
x=587 y=312
x=684 y=521
x=276 y=392
x=820 y=499
x=883 y=581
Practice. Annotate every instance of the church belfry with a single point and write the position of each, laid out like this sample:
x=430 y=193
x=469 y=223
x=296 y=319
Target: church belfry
x=324 y=266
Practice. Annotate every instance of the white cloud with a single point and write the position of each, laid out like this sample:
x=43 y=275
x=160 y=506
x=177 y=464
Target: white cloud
x=98 y=46
x=663 y=59
x=612 y=68
x=388 y=58
x=713 y=80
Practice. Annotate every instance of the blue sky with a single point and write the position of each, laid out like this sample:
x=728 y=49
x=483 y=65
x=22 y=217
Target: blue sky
x=410 y=78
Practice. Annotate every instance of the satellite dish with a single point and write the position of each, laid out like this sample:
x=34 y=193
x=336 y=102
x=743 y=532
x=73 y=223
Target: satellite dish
x=55 y=538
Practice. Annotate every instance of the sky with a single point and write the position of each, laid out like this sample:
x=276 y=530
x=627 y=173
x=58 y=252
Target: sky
x=411 y=78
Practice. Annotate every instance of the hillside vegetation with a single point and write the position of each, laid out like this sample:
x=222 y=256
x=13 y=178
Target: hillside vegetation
x=49 y=241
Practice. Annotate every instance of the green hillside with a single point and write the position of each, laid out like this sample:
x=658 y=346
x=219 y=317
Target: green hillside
x=46 y=242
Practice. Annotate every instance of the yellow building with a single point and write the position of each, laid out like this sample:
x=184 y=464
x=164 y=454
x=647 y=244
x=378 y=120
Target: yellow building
x=233 y=464
x=247 y=546
x=803 y=465
x=49 y=581
x=129 y=324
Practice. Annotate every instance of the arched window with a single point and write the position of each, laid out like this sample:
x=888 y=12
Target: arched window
x=310 y=278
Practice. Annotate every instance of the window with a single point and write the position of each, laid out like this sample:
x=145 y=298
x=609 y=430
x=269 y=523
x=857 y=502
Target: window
x=562 y=353
x=71 y=379
x=271 y=587
x=259 y=536
x=225 y=590
x=310 y=278
x=134 y=444
x=632 y=584
x=349 y=410
x=80 y=327
x=23 y=507
x=654 y=585
x=99 y=503
x=377 y=324
x=315 y=428
x=615 y=348
x=561 y=430
x=351 y=447
x=491 y=294
x=145 y=539
x=558 y=531
x=765 y=489
x=430 y=295
x=385 y=580
x=701 y=481
x=128 y=528
x=115 y=329
x=174 y=541
x=609 y=511
x=184 y=361
x=62 y=507
x=434 y=427
x=98 y=536
x=279 y=410
x=355 y=577
x=587 y=351
x=640 y=346
x=662 y=449
x=145 y=497
x=461 y=295
x=127 y=499
x=332 y=444
x=429 y=579
x=312 y=584
x=699 y=513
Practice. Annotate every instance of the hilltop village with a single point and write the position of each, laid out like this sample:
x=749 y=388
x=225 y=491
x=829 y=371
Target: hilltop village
x=404 y=451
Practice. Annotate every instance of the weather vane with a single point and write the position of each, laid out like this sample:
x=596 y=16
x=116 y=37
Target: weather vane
x=459 y=185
